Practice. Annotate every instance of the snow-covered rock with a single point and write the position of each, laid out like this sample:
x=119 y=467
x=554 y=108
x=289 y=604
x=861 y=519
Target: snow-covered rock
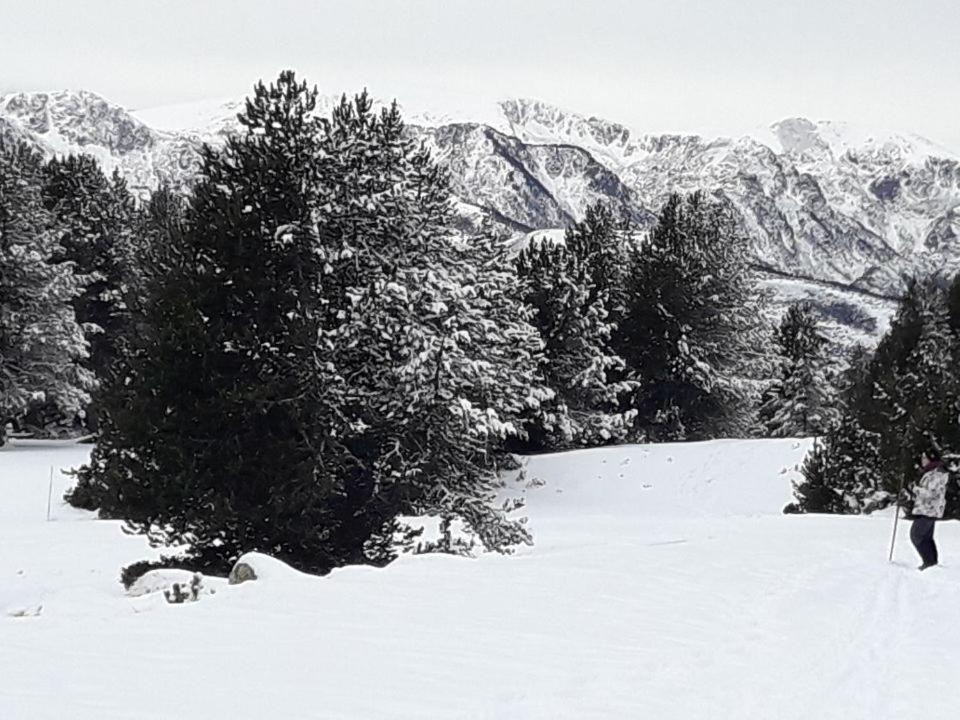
x=258 y=566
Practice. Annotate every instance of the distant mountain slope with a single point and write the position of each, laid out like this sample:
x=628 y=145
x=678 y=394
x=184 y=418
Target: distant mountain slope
x=821 y=200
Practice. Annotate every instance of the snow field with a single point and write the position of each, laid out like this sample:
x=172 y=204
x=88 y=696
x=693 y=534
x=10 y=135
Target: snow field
x=664 y=582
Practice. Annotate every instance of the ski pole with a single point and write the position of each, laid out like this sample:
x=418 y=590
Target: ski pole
x=896 y=519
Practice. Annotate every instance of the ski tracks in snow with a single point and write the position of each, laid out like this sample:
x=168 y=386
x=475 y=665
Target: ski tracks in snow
x=869 y=654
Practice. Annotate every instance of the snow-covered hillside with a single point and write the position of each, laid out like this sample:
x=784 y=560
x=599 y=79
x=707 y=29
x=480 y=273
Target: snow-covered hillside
x=664 y=582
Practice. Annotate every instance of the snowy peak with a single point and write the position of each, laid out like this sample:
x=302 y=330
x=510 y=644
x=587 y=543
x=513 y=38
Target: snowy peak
x=798 y=135
x=802 y=137
x=76 y=119
x=534 y=121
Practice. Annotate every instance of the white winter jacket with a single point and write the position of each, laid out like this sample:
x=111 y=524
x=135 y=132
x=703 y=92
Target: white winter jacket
x=930 y=495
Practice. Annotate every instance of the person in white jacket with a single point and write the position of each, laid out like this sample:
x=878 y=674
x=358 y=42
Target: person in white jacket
x=929 y=501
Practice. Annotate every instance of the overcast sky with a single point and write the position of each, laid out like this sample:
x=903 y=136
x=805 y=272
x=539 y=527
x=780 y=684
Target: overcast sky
x=716 y=66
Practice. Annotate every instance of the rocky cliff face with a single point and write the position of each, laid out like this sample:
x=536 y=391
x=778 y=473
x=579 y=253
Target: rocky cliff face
x=821 y=200
x=824 y=200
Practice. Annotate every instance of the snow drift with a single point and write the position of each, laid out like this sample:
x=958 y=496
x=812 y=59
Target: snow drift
x=664 y=582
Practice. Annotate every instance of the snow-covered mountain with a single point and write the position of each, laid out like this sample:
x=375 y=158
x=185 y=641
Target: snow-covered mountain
x=822 y=201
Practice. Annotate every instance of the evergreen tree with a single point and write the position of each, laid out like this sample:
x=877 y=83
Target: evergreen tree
x=576 y=292
x=317 y=353
x=851 y=378
x=41 y=344
x=843 y=471
x=96 y=219
x=160 y=228
x=913 y=395
x=799 y=402
x=691 y=333
x=427 y=328
x=219 y=433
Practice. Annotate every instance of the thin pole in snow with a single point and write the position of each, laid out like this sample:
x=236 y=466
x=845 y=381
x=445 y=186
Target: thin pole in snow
x=893 y=539
x=50 y=493
x=896 y=519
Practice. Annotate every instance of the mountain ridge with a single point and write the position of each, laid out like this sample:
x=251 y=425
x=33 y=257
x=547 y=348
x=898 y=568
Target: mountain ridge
x=824 y=200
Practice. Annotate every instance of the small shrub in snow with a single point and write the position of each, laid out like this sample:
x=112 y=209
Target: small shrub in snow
x=178 y=594
x=134 y=571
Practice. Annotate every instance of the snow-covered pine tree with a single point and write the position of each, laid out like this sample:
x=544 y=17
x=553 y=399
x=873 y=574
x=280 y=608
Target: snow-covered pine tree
x=160 y=229
x=693 y=329
x=96 y=220
x=439 y=360
x=41 y=343
x=800 y=401
x=928 y=387
x=576 y=291
x=219 y=434
x=843 y=472
x=912 y=382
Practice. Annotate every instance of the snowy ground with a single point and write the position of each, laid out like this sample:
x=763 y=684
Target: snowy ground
x=664 y=583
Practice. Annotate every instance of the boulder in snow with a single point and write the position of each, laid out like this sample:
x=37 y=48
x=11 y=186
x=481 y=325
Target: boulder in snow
x=257 y=566
x=241 y=572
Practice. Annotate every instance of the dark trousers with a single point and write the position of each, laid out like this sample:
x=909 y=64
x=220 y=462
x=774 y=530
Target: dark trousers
x=921 y=535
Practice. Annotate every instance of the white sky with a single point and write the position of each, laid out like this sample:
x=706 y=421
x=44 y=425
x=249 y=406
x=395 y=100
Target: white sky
x=658 y=66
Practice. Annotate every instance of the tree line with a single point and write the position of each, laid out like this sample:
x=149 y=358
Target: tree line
x=304 y=349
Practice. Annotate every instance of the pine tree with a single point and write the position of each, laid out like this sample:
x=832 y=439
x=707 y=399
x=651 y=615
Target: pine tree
x=220 y=431
x=95 y=219
x=41 y=344
x=439 y=359
x=799 y=402
x=692 y=330
x=576 y=291
x=160 y=228
x=913 y=396
x=318 y=353
x=843 y=472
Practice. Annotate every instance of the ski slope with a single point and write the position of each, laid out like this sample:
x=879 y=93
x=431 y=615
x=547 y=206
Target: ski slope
x=664 y=582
